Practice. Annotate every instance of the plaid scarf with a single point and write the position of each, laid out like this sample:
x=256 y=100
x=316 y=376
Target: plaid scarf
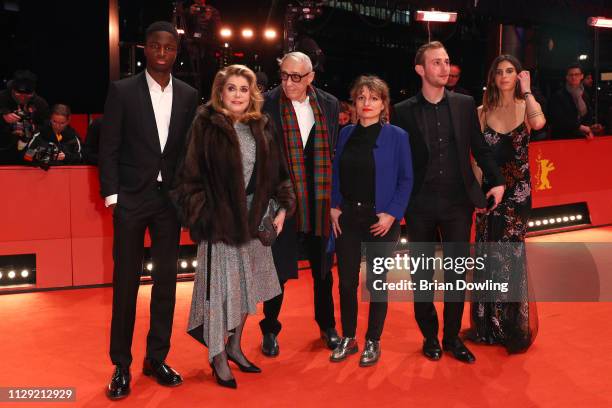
x=294 y=151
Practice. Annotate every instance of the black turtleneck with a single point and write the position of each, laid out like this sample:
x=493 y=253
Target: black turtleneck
x=357 y=167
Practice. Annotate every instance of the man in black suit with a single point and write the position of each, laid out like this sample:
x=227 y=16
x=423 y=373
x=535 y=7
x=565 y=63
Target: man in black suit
x=146 y=119
x=443 y=129
x=306 y=121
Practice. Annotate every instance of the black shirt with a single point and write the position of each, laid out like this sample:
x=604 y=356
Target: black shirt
x=443 y=172
x=357 y=167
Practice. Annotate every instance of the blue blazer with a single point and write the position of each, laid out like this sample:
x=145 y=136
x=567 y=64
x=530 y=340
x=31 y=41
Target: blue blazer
x=393 y=167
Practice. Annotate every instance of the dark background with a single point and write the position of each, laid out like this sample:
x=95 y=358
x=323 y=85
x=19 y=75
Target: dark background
x=66 y=42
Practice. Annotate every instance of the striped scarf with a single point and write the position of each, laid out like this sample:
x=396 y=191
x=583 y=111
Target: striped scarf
x=294 y=151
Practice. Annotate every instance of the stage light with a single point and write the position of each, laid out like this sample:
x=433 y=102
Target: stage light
x=138 y=63
x=552 y=220
x=180 y=31
x=194 y=263
x=573 y=218
x=11 y=275
x=0 y=275
x=579 y=217
x=25 y=273
x=247 y=33
x=404 y=241
x=538 y=223
x=583 y=57
x=225 y=33
x=531 y=223
x=226 y=45
x=184 y=264
x=150 y=266
x=436 y=16
x=559 y=220
x=565 y=219
x=545 y=222
x=601 y=22
x=270 y=34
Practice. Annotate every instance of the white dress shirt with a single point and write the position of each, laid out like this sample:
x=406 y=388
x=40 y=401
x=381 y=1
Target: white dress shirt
x=305 y=118
x=161 y=99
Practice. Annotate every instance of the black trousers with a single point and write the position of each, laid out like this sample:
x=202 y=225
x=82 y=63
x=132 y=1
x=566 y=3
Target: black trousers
x=355 y=222
x=157 y=214
x=448 y=213
x=323 y=298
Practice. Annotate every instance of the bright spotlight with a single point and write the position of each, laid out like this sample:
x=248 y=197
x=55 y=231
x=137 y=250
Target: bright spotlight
x=150 y=266
x=538 y=223
x=25 y=273
x=531 y=224
x=579 y=217
x=225 y=33
x=12 y=275
x=194 y=263
x=404 y=241
x=247 y=33
x=184 y=264
x=270 y=34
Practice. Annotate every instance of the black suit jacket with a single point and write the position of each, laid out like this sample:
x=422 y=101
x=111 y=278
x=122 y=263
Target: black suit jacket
x=130 y=153
x=285 y=248
x=563 y=115
x=409 y=115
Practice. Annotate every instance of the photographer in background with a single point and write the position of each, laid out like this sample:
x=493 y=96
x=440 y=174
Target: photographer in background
x=58 y=143
x=22 y=113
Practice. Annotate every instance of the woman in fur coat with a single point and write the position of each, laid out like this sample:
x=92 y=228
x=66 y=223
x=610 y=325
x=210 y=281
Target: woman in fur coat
x=231 y=169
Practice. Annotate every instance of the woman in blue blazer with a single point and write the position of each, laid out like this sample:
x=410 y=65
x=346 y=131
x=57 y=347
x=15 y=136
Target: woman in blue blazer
x=371 y=186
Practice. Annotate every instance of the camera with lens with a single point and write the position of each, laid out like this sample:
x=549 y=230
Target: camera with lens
x=42 y=155
x=24 y=128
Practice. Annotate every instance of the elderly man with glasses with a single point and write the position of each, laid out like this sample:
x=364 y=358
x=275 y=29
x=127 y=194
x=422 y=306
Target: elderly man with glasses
x=306 y=120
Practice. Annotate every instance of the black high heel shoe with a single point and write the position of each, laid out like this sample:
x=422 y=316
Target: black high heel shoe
x=251 y=368
x=224 y=383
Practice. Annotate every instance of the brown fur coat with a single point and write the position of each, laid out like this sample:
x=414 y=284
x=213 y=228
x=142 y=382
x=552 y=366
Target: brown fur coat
x=209 y=188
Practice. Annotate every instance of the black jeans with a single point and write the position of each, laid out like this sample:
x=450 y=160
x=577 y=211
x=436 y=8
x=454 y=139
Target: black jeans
x=158 y=215
x=355 y=222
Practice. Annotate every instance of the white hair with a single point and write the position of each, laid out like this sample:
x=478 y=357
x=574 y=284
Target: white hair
x=299 y=57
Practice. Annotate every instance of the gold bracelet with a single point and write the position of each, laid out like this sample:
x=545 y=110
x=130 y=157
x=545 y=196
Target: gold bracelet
x=534 y=114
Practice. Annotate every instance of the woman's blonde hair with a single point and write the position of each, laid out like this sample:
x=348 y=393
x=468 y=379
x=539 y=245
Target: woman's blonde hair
x=253 y=111
x=378 y=87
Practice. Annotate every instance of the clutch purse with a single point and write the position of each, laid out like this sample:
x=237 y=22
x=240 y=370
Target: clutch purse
x=266 y=230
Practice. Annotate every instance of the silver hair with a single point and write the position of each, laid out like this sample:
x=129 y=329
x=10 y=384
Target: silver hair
x=297 y=56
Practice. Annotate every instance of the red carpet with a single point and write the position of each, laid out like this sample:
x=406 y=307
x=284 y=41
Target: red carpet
x=61 y=339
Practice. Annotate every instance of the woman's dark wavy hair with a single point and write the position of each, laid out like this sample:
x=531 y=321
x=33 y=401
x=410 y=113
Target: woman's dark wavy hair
x=491 y=97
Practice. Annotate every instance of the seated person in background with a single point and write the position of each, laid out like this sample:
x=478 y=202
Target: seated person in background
x=453 y=79
x=60 y=133
x=22 y=113
x=92 y=141
x=570 y=114
x=346 y=115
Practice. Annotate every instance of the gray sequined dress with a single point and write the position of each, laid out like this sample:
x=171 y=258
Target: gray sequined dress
x=240 y=276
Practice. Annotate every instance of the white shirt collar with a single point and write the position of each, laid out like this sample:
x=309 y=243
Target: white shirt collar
x=302 y=104
x=154 y=86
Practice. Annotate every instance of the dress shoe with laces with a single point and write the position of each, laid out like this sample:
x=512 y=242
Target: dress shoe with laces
x=269 y=345
x=162 y=372
x=331 y=338
x=459 y=350
x=432 y=349
x=119 y=386
x=347 y=346
x=371 y=353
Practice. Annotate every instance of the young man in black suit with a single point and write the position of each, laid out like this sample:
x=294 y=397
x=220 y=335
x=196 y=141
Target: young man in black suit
x=146 y=119
x=443 y=129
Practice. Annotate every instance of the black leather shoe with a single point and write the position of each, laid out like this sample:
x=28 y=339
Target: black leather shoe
x=231 y=383
x=119 y=386
x=250 y=368
x=162 y=372
x=459 y=350
x=432 y=349
x=331 y=338
x=269 y=345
